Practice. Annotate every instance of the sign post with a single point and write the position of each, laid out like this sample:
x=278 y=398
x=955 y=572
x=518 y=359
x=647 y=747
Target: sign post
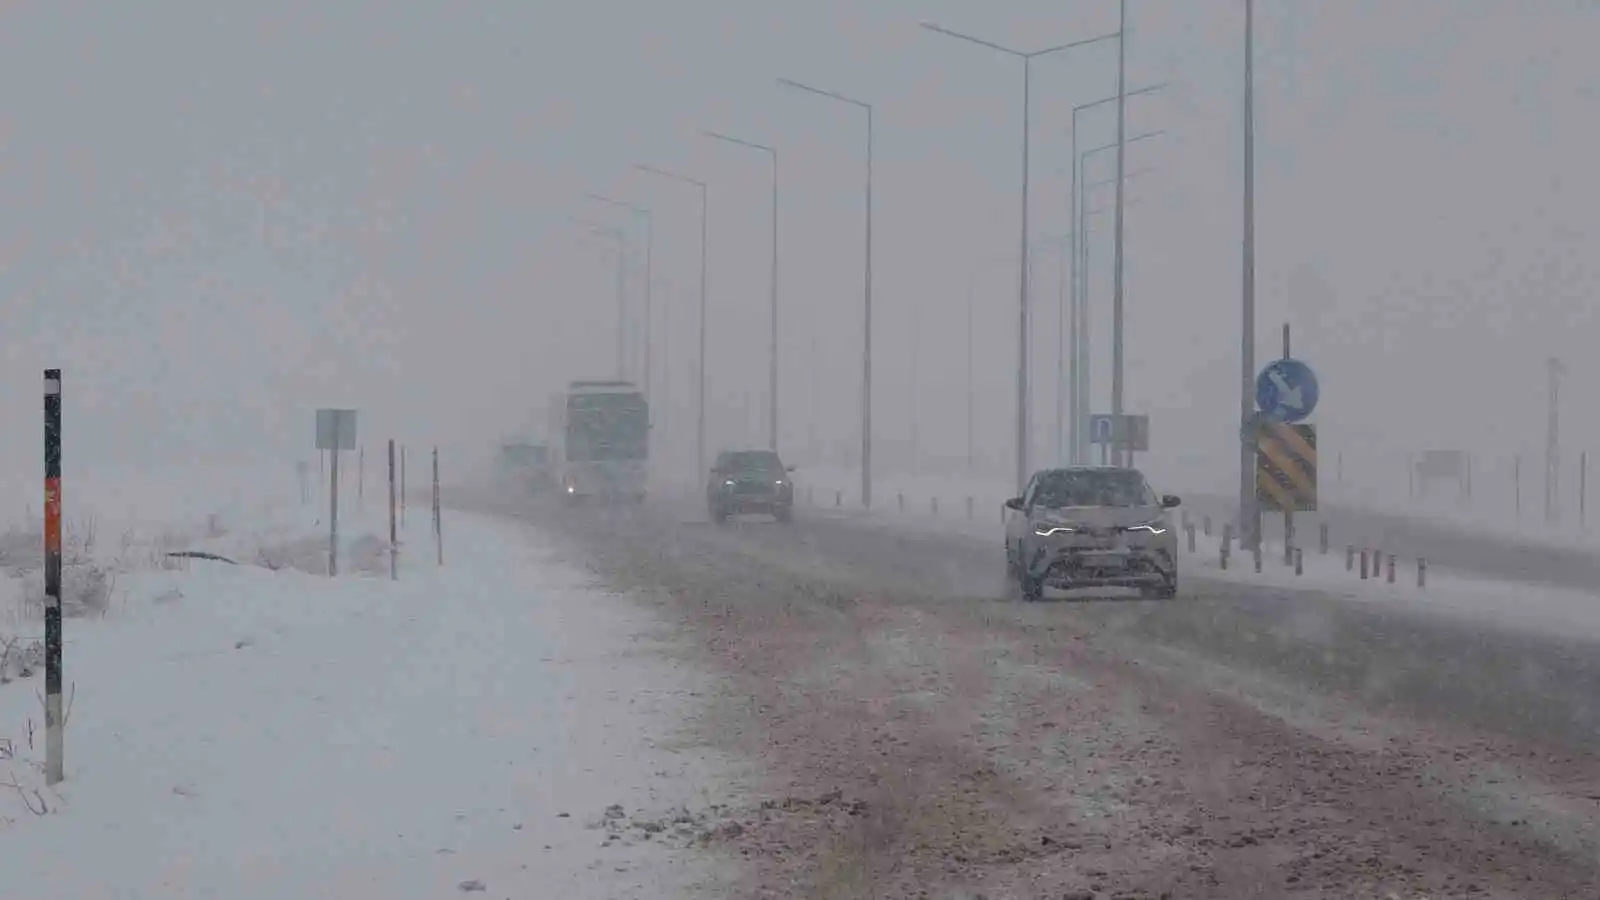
x=54 y=715
x=394 y=537
x=1286 y=463
x=1129 y=433
x=336 y=430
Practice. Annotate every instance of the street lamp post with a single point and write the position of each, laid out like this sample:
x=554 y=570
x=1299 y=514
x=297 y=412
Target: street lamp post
x=1022 y=291
x=649 y=254
x=866 y=353
x=772 y=350
x=1066 y=401
x=621 y=238
x=1081 y=349
x=700 y=414
x=1121 y=457
x=1077 y=413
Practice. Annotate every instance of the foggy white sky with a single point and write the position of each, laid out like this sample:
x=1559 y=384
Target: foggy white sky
x=218 y=216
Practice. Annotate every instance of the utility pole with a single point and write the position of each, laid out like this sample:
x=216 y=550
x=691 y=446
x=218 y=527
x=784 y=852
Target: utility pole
x=1249 y=514
x=1552 y=442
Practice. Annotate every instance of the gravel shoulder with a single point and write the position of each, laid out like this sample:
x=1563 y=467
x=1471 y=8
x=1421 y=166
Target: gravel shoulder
x=916 y=736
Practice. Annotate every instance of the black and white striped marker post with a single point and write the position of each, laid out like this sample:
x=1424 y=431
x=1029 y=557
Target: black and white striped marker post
x=54 y=715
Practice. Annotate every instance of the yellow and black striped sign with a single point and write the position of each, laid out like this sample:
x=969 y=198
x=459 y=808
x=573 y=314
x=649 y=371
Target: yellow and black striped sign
x=1286 y=467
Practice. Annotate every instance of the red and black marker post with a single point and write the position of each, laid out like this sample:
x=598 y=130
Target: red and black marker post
x=53 y=712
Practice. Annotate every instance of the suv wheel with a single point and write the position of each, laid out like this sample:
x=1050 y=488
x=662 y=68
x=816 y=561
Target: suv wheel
x=1167 y=590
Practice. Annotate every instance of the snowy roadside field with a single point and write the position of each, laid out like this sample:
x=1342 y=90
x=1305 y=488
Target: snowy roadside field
x=256 y=730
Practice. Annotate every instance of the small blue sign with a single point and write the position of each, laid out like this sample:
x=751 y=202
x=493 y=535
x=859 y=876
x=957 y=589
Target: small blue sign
x=1286 y=390
x=1100 y=428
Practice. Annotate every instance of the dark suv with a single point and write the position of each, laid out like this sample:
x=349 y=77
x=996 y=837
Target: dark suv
x=750 y=481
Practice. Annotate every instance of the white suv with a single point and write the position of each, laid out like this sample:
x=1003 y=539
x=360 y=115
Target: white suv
x=1091 y=526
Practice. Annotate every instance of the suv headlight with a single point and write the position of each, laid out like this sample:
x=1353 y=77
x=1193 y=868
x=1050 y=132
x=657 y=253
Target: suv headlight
x=1050 y=529
x=1154 y=527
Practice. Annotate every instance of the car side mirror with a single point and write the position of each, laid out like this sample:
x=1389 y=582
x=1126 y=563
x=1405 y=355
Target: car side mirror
x=1168 y=501
x=1014 y=503
x=788 y=468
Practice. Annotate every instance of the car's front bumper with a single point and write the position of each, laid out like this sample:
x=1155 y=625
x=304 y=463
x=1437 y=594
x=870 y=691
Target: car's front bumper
x=1072 y=564
x=736 y=503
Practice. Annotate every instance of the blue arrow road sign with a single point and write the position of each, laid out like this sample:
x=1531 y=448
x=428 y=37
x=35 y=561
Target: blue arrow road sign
x=1100 y=428
x=1286 y=389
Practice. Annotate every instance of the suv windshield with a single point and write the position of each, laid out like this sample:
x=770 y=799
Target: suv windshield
x=749 y=461
x=1093 y=487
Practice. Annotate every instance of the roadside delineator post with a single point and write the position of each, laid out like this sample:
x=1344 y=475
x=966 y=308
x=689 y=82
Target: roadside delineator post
x=969 y=507
x=1391 y=568
x=1299 y=562
x=933 y=503
x=1322 y=537
x=1188 y=530
x=394 y=534
x=438 y=520
x=1255 y=552
x=1349 y=557
x=1422 y=572
x=1205 y=524
x=54 y=714
x=1363 y=565
x=1222 y=551
x=402 y=484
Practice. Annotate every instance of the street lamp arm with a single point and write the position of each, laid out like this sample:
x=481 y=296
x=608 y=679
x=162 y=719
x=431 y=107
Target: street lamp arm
x=1112 y=146
x=940 y=29
x=740 y=141
x=789 y=82
x=1148 y=89
x=634 y=207
x=1083 y=43
x=671 y=175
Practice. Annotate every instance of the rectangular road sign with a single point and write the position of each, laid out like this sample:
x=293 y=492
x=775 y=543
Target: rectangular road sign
x=336 y=429
x=1286 y=467
x=1129 y=431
